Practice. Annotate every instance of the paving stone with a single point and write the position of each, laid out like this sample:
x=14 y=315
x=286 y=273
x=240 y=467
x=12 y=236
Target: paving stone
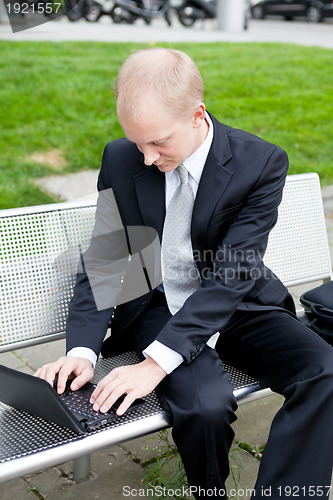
x=71 y=187
x=255 y=418
x=16 y=489
x=329 y=221
x=296 y=291
x=15 y=361
x=146 y=447
x=330 y=235
x=243 y=475
x=29 y=359
x=44 y=353
x=112 y=470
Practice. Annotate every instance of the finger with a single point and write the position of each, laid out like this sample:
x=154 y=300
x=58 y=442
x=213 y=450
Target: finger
x=82 y=379
x=50 y=371
x=95 y=395
x=106 y=381
x=65 y=371
x=41 y=372
x=70 y=368
x=107 y=399
x=78 y=369
x=130 y=398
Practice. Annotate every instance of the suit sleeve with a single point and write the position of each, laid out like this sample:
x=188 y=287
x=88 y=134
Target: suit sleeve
x=86 y=325
x=237 y=265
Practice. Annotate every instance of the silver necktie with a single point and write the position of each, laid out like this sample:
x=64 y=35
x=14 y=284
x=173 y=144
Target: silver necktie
x=180 y=276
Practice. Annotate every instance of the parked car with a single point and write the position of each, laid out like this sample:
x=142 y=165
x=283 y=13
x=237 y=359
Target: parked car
x=312 y=10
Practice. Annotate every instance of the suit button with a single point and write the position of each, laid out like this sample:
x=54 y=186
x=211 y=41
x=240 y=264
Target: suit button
x=144 y=302
x=199 y=347
x=193 y=355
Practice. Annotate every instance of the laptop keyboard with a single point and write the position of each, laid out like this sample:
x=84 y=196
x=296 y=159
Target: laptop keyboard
x=78 y=402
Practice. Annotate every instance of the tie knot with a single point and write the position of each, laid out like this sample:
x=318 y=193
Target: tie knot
x=183 y=174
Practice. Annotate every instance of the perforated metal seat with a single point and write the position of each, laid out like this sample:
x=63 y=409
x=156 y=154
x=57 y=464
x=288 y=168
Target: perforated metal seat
x=38 y=258
x=298 y=249
x=40 y=248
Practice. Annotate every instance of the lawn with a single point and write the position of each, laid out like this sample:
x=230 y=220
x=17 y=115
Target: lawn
x=58 y=109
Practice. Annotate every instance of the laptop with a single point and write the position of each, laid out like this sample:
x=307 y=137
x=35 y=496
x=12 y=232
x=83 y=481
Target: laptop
x=71 y=409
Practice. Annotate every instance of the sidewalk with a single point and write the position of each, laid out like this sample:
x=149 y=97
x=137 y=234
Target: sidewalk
x=124 y=466
x=300 y=32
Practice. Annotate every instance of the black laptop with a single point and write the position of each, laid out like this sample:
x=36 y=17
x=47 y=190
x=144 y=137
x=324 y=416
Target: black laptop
x=70 y=409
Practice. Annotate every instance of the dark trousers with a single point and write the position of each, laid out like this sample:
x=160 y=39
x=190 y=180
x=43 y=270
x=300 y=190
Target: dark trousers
x=284 y=355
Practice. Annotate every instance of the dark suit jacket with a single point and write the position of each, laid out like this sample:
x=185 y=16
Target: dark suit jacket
x=235 y=209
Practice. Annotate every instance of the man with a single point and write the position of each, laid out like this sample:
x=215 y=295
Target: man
x=174 y=151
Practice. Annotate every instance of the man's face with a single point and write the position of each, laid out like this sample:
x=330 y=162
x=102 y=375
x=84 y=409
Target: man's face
x=163 y=139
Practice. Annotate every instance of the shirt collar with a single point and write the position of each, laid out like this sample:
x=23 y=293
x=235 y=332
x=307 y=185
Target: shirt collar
x=195 y=163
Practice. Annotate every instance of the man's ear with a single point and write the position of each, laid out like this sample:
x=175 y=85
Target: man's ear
x=199 y=115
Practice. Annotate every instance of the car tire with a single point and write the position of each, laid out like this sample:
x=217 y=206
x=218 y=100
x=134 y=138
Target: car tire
x=258 y=12
x=93 y=11
x=120 y=15
x=76 y=9
x=185 y=19
x=313 y=15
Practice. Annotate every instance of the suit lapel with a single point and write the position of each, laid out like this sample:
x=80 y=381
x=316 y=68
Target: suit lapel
x=214 y=180
x=150 y=190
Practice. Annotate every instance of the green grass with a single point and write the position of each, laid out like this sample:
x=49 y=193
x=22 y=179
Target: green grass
x=165 y=469
x=59 y=96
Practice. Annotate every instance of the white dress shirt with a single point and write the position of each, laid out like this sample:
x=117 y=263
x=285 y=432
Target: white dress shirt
x=165 y=357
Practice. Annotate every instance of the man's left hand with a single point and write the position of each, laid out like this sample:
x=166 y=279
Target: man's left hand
x=135 y=381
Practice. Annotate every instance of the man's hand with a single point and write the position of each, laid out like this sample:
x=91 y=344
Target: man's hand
x=134 y=380
x=80 y=369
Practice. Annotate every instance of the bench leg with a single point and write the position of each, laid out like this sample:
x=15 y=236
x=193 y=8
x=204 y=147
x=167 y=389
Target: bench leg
x=81 y=469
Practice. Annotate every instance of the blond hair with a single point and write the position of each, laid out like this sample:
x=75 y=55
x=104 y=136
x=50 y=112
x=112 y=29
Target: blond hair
x=168 y=75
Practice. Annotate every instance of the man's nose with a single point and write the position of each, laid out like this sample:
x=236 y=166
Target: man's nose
x=150 y=156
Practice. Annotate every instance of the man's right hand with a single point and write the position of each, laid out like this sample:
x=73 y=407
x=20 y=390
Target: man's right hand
x=67 y=367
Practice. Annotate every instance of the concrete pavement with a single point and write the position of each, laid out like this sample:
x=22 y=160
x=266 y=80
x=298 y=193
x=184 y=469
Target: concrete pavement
x=300 y=32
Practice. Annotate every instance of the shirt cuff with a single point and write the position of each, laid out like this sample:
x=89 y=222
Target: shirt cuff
x=165 y=357
x=83 y=352
x=211 y=342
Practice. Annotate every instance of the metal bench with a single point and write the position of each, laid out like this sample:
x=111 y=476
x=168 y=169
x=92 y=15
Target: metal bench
x=40 y=248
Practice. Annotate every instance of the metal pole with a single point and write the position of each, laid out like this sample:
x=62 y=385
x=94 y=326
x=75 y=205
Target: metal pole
x=231 y=15
x=81 y=469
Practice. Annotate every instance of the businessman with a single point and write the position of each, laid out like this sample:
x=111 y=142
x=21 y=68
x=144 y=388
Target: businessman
x=212 y=193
